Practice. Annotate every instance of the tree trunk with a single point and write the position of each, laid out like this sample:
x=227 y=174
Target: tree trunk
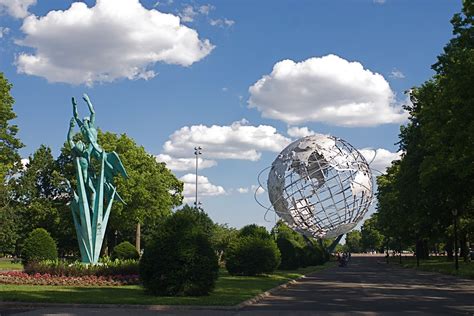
x=138 y=236
x=450 y=249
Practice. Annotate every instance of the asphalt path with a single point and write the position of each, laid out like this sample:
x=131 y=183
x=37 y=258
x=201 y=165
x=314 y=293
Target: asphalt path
x=366 y=286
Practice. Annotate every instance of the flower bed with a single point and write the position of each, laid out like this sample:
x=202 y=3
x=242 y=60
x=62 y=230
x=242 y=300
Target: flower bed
x=22 y=278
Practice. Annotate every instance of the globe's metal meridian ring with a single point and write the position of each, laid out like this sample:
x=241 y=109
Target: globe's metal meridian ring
x=320 y=186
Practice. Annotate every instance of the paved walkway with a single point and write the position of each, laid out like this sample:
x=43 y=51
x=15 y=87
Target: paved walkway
x=367 y=286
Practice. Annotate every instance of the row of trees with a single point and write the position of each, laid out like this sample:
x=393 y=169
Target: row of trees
x=423 y=194
x=37 y=194
x=368 y=239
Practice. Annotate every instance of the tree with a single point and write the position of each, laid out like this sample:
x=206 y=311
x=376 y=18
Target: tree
x=9 y=165
x=221 y=238
x=436 y=175
x=255 y=231
x=9 y=143
x=371 y=239
x=150 y=192
x=353 y=241
x=40 y=200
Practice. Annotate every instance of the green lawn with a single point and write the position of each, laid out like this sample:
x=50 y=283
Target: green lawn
x=230 y=290
x=441 y=265
x=6 y=264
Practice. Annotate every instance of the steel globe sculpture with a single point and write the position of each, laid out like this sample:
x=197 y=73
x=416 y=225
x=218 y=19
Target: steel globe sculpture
x=321 y=186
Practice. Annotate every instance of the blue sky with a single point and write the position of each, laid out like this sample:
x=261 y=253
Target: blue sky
x=210 y=73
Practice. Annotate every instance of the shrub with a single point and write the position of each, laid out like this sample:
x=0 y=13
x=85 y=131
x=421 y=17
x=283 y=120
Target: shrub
x=125 y=250
x=180 y=260
x=291 y=253
x=255 y=231
x=251 y=255
x=39 y=246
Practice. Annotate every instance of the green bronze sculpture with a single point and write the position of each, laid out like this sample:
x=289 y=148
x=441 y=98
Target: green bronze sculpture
x=92 y=202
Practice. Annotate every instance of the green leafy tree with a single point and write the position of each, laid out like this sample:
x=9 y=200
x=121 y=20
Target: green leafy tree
x=255 y=231
x=150 y=192
x=221 y=238
x=353 y=241
x=371 y=238
x=435 y=175
x=9 y=165
x=40 y=200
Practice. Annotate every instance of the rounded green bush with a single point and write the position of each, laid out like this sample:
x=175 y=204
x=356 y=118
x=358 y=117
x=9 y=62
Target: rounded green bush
x=125 y=250
x=39 y=245
x=255 y=231
x=251 y=255
x=291 y=253
x=180 y=259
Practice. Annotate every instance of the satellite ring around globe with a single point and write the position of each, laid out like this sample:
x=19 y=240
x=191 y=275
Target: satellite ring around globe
x=321 y=186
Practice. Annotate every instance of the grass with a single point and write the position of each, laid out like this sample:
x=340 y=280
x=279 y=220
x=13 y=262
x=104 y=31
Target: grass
x=6 y=264
x=441 y=265
x=230 y=290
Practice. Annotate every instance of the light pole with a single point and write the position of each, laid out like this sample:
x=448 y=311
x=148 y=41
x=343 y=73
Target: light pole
x=197 y=152
x=456 y=260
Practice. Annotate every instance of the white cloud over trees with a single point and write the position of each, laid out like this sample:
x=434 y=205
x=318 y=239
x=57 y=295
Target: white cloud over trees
x=325 y=89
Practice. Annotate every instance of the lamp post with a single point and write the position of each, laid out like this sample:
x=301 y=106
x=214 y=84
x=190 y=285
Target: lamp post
x=197 y=152
x=456 y=260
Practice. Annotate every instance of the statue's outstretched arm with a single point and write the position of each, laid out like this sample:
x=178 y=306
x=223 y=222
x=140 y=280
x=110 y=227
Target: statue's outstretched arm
x=91 y=108
x=74 y=112
x=69 y=133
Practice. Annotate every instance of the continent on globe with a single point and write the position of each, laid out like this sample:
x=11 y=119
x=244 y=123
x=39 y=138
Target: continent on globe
x=321 y=186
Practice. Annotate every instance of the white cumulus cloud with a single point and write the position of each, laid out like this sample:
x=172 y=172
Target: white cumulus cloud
x=299 y=132
x=114 y=39
x=185 y=164
x=205 y=187
x=16 y=8
x=326 y=89
x=381 y=158
x=243 y=190
x=237 y=141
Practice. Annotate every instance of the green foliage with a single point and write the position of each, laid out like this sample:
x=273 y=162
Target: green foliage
x=221 y=238
x=436 y=173
x=180 y=260
x=255 y=231
x=291 y=253
x=39 y=246
x=41 y=198
x=8 y=231
x=371 y=238
x=125 y=250
x=251 y=255
x=9 y=165
x=9 y=143
x=353 y=241
x=146 y=192
x=79 y=269
x=296 y=251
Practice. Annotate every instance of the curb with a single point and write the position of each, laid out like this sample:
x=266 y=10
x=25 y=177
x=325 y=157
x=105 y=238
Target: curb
x=32 y=305
x=265 y=294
